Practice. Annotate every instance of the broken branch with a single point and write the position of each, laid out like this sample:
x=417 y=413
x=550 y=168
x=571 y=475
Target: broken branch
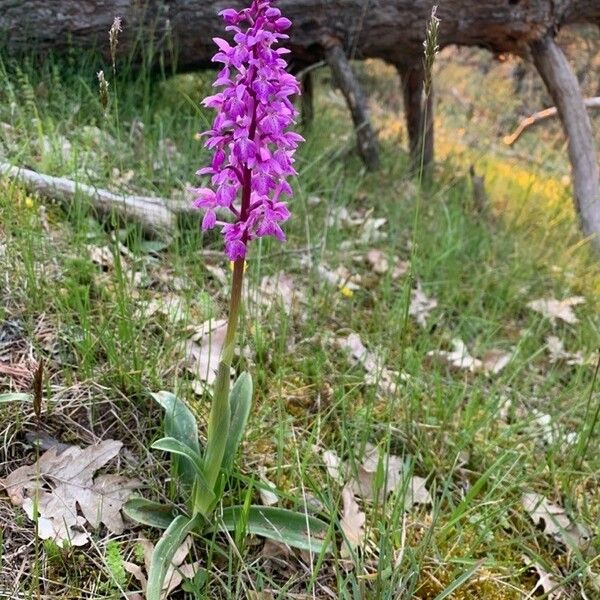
x=537 y=117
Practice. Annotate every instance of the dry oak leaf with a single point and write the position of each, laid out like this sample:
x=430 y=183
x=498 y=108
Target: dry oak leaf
x=279 y=288
x=459 y=358
x=352 y=522
x=67 y=494
x=421 y=305
x=175 y=573
x=546 y=583
x=384 y=378
x=101 y=255
x=417 y=493
x=203 y=350
x=557 y=309
x=171 y=306
x=557 y=352
x=363 y=485
x=553 y=520
x=494 y=361
x=378 y=261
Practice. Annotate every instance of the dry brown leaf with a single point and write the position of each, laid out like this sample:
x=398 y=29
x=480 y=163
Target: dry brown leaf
x=421 y=305
x=333 y=463
x=203 y=350
x=70 y=476
x=217 y=272
x=555 y=309
x=377 y=374
x=494 y=361
x=352 y=522
x=417 y=493
x=378 y=261
x=459 y=358
x=546 y=583
x=267 y=494
x=101 y=255
x=558 y=353
x=279 y=288
x=176 y=572
x=171 y=306
x=277 y=550
x=548 y=431
x=340 y=278
x=363 y=485
x=400 y=269
x=553 y=520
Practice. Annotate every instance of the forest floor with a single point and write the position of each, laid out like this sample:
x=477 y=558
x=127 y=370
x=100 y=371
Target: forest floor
x=399 y=324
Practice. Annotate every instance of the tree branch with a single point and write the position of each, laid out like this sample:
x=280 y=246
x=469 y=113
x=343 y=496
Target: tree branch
x=538 y=117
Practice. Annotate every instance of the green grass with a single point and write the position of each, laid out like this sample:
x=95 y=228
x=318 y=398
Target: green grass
x=104 y=357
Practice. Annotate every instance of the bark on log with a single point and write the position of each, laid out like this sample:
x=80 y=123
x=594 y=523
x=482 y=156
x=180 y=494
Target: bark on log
x=389 y=29
x=417 y=109
x=357 y=103
x=539 y=117
x=562 y=84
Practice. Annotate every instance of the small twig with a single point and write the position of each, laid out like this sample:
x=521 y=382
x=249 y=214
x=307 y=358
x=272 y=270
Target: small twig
x=538 y=117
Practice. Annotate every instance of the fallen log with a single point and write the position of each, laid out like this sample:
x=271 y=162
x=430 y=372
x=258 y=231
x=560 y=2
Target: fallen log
x=153 y=214
x=539 y=117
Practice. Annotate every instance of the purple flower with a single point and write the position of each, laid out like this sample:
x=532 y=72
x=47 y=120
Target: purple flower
x=253 y=147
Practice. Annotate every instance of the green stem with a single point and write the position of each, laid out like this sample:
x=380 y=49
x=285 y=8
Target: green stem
x=220 y=411
x=234 y=311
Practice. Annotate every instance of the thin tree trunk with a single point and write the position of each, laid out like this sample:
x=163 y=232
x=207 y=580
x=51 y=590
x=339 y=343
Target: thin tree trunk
x=346 y=79
x=418 y=112
x=562 y=84
x=307 y=101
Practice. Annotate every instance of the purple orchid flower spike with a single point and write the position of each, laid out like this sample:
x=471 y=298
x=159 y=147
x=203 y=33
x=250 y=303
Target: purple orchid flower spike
x=253 y=147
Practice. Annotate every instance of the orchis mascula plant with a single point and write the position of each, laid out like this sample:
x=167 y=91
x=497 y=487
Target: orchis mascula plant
x=253 y=156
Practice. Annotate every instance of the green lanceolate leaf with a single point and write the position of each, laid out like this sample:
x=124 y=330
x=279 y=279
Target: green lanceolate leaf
x=218 y=426
x=174 y=446
x=180 y=424
x=288 y=527
x=164 y=552
x=15 y=398
x=240 y=402
x=149 y=513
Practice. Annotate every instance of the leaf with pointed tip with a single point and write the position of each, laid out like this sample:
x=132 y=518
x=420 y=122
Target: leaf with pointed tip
x=294 y=529
x=15 y=397
x=174 y=446
x=149 y=513
x=165 y=550
x=180 y=424
x=240 y=401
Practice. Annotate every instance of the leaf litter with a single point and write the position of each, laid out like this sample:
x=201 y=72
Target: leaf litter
x=553 y=520
x=460 y=359
x=176 y=572
x=421 y=305
x=62 y=488
x=555 y=309
x=376 y=373
x=203 y=351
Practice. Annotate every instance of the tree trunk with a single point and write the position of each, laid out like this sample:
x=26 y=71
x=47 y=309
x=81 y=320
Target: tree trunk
x=562 y=84
x=418 y=111
x=392 y=30
x=307 y=101
x=357 y=103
